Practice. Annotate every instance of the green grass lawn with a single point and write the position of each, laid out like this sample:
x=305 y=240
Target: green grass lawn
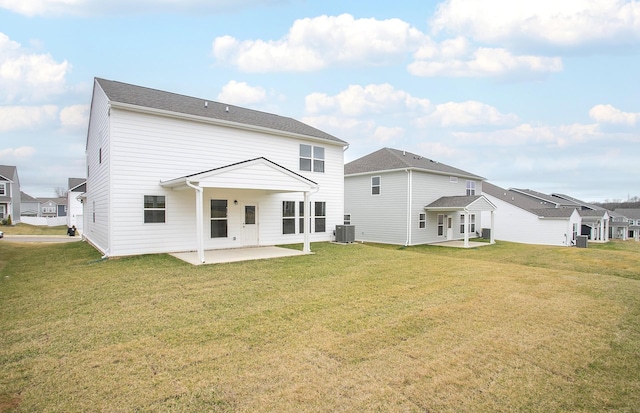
x=26 y=229
x=352 y=328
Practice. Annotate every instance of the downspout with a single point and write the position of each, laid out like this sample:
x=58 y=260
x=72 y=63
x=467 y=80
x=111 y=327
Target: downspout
x=306 y=224
x=409 y=178
x=199 y=220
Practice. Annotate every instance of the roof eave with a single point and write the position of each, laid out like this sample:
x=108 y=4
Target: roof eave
x=221 y=122
x=413 y=168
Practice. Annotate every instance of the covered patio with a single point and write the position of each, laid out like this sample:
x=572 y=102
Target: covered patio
x=237 y=255
x=465 y=206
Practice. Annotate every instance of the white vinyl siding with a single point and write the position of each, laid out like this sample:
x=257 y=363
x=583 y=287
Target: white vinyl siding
x=147 y=149
x=517 y=225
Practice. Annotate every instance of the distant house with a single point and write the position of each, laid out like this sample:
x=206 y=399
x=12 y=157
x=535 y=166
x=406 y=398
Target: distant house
x=53 y=207
x=76 y=187
x=594 y=219
x=29 y=206
x=9 y=193
x=170 y=173
x=633 y=216
x=531 y=220
x=398 y=197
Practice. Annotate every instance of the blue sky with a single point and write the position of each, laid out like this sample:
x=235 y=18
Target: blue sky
x=541 y=95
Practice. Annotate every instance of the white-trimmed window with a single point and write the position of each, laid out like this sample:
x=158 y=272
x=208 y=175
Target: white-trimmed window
x=301 y=217
x=471 y=187
x=154 y=209
x=440 y=224
x=472 y=223
x=3 y=188
x=219 y=218
x=311 y=158
x=289 y=217
x=3 y=211
x=422 y=220
x=320 y=217
x=375 y=185
x=347 y=219
x=453 y=179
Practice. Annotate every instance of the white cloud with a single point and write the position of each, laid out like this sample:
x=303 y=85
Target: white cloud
x=551 y=22
x=527 y=134
x=357 y=100
x=470 y=113
x=384 y=134
x=76 y=116
x=14 y=118
x=22 y=152
x=610 y=114
x=26 y=75
x=453 y=58
x=240 y=93
x=315 y=43
x=96 y=7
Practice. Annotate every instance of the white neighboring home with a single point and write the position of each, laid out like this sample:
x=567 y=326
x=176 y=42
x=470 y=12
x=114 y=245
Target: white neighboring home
x=595 y=219
x=633 y=216
x=168 y=173
x=521 y=218
x=9 y=193
x=77 y=186
x=397 y=197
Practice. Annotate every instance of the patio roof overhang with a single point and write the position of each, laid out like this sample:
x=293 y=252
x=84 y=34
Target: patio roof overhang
x=461 y=203
x=259 y=173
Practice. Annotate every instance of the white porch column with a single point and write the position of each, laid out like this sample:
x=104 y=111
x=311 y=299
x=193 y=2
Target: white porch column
x=466 y=229
x=492 y=236
x=601 y=238
x=307 y=245
x=199 y=221
x=606 y=230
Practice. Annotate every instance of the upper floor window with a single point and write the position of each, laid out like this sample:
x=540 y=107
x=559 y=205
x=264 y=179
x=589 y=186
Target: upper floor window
x=311 y=158
x=375 y=185
x=154 y=208
x=3 y=188
x=471 y=187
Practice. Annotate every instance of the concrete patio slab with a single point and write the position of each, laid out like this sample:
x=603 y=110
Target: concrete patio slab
x=237 y=254
x=460 y=244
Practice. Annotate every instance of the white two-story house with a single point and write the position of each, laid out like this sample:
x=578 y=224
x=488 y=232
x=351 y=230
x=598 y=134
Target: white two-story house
x=398 y=197
x=170 y=173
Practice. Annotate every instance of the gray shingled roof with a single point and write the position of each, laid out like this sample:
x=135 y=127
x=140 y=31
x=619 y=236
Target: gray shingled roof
x=546 y=198
x=158 y=99
x=525 y=202
x=387 y=159
x=77 y=184
x=453 y=201
x=26 y=197
x=578 y=202
x=631 y=213
x=8 y=171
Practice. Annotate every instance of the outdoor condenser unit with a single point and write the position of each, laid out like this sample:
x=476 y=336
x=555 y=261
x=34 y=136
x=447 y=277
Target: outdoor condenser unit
x=345 y=233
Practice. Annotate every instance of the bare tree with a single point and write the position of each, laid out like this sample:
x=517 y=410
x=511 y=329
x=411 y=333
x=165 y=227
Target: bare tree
x=60 y=192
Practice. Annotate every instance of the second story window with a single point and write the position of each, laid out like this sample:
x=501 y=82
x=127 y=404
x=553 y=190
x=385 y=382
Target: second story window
x=471 y=187
x=311 y=158
x=375 y=185
x=3 y=188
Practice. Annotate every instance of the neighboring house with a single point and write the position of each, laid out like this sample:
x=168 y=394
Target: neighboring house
x=168 y=173
x=397 y=197
x=633 y=216
x=77 y=186
x=521 y=218
x=29 y=206
x=595 y=220
x=9 y=193
x=53 y=207
x=618 y=226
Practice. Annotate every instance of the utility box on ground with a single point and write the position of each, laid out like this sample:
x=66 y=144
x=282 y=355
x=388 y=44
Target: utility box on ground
x=581 y=241
x=345 y=233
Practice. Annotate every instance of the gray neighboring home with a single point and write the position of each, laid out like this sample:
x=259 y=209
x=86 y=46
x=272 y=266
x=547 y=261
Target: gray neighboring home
x=53 y=207
x=29 y=206
x=633 y=215
x=398 y=197
x=9 y=193
x=532 y=220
